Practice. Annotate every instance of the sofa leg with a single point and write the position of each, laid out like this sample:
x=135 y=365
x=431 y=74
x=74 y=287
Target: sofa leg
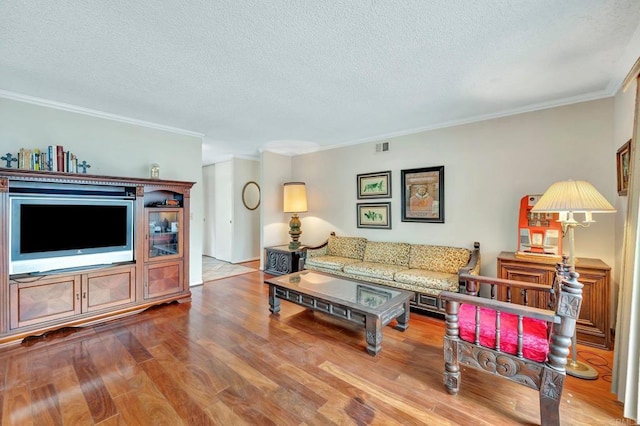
x=403 y=319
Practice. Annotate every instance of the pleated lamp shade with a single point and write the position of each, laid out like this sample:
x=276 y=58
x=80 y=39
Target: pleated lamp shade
x=572 y=196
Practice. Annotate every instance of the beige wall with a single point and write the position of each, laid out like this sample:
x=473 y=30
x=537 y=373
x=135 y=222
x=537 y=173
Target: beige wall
x=624 y=109
x=489 y=167
x=112 y=148
x=232 y=232
x=246 y=239
x=209 y=211
x=275 y=171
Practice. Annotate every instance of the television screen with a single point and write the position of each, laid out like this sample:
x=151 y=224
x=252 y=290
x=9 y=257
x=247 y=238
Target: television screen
x=47 y=228
x=52 y=233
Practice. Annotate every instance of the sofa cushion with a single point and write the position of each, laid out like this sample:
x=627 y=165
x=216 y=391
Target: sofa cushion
x=428 y=279
x=438 y=258
x=373 y=270
x=351 y=247
x=535 y=343
x=334 y=263
x=387 y=253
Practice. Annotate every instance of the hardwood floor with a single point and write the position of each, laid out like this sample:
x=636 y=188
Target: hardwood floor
x=223 y=359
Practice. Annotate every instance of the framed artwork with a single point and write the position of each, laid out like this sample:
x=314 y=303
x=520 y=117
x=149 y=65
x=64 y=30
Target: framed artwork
x=623 y=163
x=374 y=185
x=374 y=215
x=372 y=297
x=423 y=195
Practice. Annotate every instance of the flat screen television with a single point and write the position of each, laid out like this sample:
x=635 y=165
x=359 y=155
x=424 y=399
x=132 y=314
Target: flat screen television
x=58 y=233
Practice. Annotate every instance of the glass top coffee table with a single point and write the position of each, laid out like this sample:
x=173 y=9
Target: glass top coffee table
x=369 y=305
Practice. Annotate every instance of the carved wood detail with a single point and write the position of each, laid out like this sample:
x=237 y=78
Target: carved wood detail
x=569 y=305
x=386 y=318
x=280 y=260
x=552 y=383
x=520 y=371
x=61 y=177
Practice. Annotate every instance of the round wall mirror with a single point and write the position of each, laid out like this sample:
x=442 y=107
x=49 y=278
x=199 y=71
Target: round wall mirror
x=251 y=195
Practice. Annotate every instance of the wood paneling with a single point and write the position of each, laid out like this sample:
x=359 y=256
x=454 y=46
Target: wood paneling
x=593 y=325
x=104 y=289
x=224 y=359
x=44 y=300
x=163 y=278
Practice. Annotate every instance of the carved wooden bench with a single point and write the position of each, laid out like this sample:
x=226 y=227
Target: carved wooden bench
x=497 y=336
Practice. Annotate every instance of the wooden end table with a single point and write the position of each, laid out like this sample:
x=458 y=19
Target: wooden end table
x=280 y=260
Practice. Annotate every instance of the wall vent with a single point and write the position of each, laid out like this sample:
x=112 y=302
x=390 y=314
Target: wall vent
x=382 y=147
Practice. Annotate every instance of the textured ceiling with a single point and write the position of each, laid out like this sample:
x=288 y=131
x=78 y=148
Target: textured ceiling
x=254 y=74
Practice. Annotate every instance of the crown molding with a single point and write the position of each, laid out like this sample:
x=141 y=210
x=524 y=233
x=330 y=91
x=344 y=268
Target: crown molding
x=632 y=76
x=94 y=113
x=530 y=108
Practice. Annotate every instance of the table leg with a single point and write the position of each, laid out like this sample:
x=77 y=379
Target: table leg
x=373 y=332
x=274 y=302
x=403 y=319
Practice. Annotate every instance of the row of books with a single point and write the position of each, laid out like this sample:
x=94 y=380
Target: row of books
x=53 y=159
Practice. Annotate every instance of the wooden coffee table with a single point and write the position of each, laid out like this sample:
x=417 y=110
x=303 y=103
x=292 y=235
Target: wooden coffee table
x=369 y=305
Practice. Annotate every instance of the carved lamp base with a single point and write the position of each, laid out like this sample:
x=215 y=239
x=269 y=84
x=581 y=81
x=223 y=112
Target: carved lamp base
x=295 y=231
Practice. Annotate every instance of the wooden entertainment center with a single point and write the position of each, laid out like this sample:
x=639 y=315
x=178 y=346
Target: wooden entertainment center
x=32 y=304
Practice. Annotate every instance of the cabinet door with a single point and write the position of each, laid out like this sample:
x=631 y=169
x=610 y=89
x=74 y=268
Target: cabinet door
x=593 y=323
x=162 y=279
x=44 y=300
x=540 y=275
x=163 y=234
x=105 y=289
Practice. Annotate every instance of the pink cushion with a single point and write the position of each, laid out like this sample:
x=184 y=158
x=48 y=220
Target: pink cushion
x=535 y=343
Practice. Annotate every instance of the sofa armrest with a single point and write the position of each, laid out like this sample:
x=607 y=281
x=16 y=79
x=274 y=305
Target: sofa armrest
x=471 y=268
x=311 y=251
x=320 y=246
x=320 y=251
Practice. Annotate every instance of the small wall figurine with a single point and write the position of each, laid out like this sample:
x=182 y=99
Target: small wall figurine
x=9 y=158
x=84 y=166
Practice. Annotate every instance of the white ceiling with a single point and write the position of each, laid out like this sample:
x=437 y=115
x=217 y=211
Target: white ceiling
x=294 y=75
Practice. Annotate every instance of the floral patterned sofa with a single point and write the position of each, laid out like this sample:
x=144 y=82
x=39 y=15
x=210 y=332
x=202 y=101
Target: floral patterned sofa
x=424 y=269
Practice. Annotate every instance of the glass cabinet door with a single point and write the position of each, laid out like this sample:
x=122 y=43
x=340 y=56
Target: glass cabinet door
x=163 y=227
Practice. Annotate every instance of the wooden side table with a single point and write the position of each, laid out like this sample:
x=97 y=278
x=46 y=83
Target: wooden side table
x=280 y=260
x=593 y=326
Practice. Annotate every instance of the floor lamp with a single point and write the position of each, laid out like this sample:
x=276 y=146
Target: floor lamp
x=568 y=198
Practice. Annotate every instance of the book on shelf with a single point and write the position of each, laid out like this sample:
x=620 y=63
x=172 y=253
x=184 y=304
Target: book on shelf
x=54 y=159
x=43 y=164
x=60 y=157
x=53 y=164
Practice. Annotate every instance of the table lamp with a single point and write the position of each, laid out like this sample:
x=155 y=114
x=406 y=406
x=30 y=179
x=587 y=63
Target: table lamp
x=295 y=201
x=568 y=198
